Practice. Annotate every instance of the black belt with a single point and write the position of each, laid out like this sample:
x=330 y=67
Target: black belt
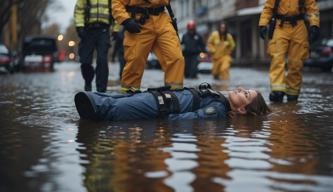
x=97 y=25
x=167 y=102
x=290 y=19
x=196 y=99
x=145 y=10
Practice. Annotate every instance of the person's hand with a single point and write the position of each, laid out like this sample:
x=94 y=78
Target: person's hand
x=80 y=31
x=263 y=31
x=314 y=33
x=132 y=26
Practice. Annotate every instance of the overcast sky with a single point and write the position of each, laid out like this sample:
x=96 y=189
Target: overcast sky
x=61 y=16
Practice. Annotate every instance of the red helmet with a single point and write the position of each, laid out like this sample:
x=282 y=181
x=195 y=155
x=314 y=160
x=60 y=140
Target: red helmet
x=191 y=25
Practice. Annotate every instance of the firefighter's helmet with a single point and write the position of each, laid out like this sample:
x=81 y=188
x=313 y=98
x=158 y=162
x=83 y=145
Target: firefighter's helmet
x=191 y=25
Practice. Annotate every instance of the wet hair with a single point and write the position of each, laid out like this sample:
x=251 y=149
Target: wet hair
x=226 y=28
x=258 y=106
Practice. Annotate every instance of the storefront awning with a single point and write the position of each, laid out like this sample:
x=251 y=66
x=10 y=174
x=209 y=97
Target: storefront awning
x=250 y=11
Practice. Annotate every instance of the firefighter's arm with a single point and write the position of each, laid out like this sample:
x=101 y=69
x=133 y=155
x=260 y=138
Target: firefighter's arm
x=119 y=12
x=79 y=13
x=312 y=12
x=210 y=43
x=266 y=13
x=231 y=42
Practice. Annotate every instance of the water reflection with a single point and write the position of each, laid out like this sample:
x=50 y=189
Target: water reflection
x=45 y=147
x=296 y=150
x=212 y=157
x=124 y=157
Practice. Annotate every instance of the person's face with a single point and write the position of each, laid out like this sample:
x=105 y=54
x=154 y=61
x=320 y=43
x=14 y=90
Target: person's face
x=240 y=97
x=191 y=31
x=222 y=28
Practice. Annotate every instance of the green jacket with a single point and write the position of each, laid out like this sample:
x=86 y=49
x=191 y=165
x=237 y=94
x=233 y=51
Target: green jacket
x=99 y=11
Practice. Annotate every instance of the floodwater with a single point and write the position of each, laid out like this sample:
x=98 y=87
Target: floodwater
x=45 y=147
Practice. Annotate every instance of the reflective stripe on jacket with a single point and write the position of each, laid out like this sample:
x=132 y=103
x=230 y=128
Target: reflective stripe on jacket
x=98 y=13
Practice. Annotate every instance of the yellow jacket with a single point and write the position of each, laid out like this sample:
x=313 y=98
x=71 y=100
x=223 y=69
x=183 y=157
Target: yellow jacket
x=218 y=46
x=290 y=8
x=99 y=12
x=119 y=11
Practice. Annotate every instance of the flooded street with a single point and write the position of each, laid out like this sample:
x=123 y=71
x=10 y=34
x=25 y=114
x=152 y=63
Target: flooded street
x=44 y=146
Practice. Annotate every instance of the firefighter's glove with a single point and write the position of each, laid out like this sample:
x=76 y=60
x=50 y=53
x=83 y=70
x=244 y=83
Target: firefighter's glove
x=80 y=32
x=263 y=32
x=314 y=33
x=132 y=26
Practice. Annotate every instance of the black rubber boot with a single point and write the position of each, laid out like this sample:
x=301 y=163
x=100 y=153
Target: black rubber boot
x=292 y=97
x=87 y=87
x=85 y=106
x=102 y=90
x=276 y=96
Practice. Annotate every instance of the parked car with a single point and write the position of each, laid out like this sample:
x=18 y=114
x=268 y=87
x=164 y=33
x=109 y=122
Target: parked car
x=39 y=53
x=205 y=63
x=152 y=61
x=321 y=55
x=6 y=60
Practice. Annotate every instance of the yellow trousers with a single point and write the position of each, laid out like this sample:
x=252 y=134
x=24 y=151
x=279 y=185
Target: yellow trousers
x=289 y=43
x=221 y=67
x=158 y=34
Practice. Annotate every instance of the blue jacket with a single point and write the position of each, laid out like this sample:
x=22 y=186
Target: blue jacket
x=143 y=105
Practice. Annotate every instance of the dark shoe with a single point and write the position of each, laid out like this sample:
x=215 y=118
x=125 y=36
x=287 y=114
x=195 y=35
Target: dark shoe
x=85 y=106
x=101 y=90
x=292 y=97
x=276 y=96
x=87 y=87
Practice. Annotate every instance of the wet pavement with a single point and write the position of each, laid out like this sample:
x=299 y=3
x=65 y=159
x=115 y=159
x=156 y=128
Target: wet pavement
x=45 y=147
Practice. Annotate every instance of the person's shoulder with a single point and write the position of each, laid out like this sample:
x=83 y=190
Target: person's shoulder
x=215 y=33
x=229 y=36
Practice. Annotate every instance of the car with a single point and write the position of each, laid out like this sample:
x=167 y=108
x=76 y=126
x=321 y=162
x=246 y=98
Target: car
x=321 y=55
x=152 y=61
x=205 y=63
x=39 y=53
x=6 y=59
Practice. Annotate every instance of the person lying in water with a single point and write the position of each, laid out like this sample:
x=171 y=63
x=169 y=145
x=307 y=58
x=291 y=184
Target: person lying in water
x=188 y=103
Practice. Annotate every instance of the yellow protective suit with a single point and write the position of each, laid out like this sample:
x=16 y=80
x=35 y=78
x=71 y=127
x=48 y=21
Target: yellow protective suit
x=221 y=48
x=290 y=41
x=157 y=33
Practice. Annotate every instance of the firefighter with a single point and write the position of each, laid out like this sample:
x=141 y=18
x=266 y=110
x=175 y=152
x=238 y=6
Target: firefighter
x=290 y=39
x=220 y=45
x=147 y=25
x=92 y=21
x=188 y=103
x=193 y=45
